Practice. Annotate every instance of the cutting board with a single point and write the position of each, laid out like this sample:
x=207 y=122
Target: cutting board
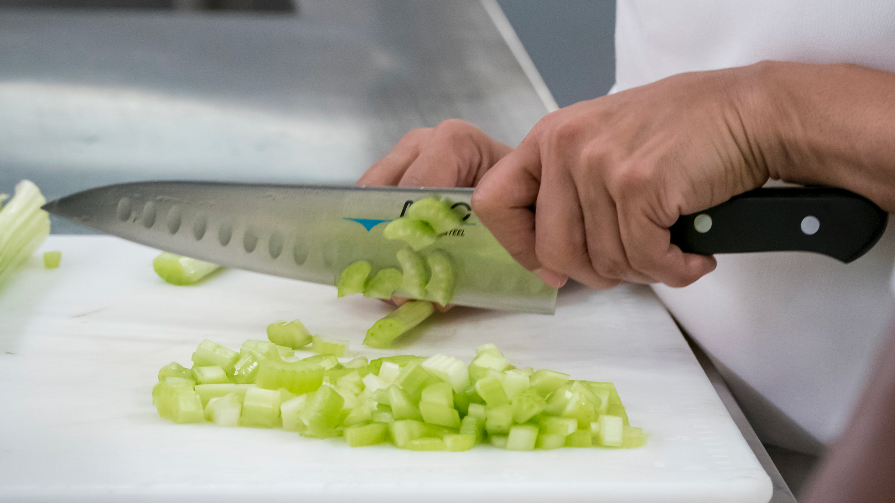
x=80 y=347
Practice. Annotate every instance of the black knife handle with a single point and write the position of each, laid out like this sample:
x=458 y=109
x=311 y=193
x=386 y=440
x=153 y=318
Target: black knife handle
x=834 y=222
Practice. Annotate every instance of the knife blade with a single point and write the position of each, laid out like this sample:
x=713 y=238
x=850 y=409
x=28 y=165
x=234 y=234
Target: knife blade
x=312 y=232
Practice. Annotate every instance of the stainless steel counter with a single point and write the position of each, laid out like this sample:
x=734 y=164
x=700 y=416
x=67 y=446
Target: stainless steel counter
x=95 y=97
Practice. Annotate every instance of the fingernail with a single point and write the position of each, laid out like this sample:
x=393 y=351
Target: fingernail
x=553 y=279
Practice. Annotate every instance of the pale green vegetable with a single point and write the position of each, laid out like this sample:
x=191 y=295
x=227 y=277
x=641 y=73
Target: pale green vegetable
x=441 y=280
x=23 y=227
x=437 y=214
x=52 y=259
x=291 y=334
x=180 y=270
x=383 y=284
x=416 y=233
x=415 y=273
x=389 y=328
x=329 y=346
x=353 y=278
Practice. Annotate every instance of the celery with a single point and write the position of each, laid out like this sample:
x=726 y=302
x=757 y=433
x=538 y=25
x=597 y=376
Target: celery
x=441 y=282
x=289 y=413
x=526 y=405
x=560 y=426
x=52 y=259
x=522 y=437
x=413 y=378
x=368 y=434
x=325 y=361
x=173 y=369
x=180 y=270
x=383 y=284
x=260 y=408
x=414 y=273
x=416 y=233
x=611 y=431
x=440 y=414
x=401 y=404
x=211 y=353
x=403 y=431
x=225 y=410
x=477 y=410
x=291 y=334
x=437 y=214
x=546 y=441
x=23 y=227
x=580 y=438
x=515 y=382
x=329 y=346
x=490 y=389
x=354 y=278
x=547 y=381
x=449 y=370
x=321 y=413
x=473 y=426
x=439 y=393
x=210 y=375
x=386 y=330
x=245 y=369
x=208 y=391
x=457 y=442
x=499 y=441
x=298 y=377
x=499 y=420
x=425 y=444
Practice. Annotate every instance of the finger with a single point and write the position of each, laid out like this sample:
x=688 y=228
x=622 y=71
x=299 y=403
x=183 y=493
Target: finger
x=561 y=241
x=390 y=169
x=649 y=250
x=503 y=202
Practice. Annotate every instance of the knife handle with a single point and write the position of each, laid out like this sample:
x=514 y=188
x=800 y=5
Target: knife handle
x=833 y=222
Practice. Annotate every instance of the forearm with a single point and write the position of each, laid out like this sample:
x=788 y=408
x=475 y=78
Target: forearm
x=829 y=125
x=861 y=466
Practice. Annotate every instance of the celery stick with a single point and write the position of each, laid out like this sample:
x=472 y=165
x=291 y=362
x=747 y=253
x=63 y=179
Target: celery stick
x=180 y=270
x=416 y=233
x=457 y=442
x=260 y=408
x=23 y=227
x=414 y=273
x=441 y=282
x=383 y=284
x=246 y=367
x=425 y=444
x=291 y=334
x=52 y=259
x=386 y=330
x=368 y=434
x=329 y=346
x=522 y=437
x=437 y=214
x=354 y=278
x=297 y=377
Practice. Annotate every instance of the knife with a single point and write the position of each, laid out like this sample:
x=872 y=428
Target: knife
x=312 y=232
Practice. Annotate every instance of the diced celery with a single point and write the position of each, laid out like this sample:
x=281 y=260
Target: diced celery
x=490 y=389
x=522 y=437
x=329 y=346
x=246 y=367
x=559 y=426
x=499 y=441
x=415 y=274
x=449 y=370
x=440 y=414
x=441 y=280
x=173 y=369
x=403 y=431
x=389 y=371
x=351 y=381
x=425 y=444
x=360 y=414
x=401 y=404
x=416 y=233
x=368 y=434
x=354 y=278
x=546 y=441
x=211 y=353
x=290 y=413
x=297 y=377
x=382 y=416
x=477 y=410
x=611 y=431
x=180 y=270
x=514 y=381
x=383 y=284
x=463 y=400
x=547 y=381
x=357 y=362
x=322 y=413
x=439 y=393
x=187 y=408
x=633 y=438
x=559 y=400
x=613 y=393
x=208 y=391
x=52 y=259
x=456 y=442
x=224 y=410
x=619 y=411
x=473 y=426
x=387 y=329
x=437 y=214
x=490 y=360
x=413 y=378
x=526 y=405
x=499 y=419
x=264 y=349
x=291 y=334
x=210 y=375
x=260 y=408
x=325 y=362
x=579 y=438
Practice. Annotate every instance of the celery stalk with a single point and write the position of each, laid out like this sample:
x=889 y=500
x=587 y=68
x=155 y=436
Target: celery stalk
x=52 y=259
x=23 y=227
x=180 y=270
x=383 y=284
x=386 y=330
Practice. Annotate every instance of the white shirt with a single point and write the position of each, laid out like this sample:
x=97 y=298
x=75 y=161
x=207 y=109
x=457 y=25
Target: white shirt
x=793 y=334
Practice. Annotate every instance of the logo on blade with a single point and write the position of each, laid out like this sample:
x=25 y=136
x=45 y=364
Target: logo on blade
x=368 y=223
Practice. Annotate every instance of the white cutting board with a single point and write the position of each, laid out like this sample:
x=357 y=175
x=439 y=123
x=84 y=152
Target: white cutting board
x=80 y=347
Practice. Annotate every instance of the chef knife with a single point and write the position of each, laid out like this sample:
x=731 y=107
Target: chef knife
x=312 y=232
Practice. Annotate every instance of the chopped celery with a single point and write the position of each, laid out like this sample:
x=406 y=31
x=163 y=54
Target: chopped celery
x=416 y=233
x=329 y=346
x=23 y=227
x=522 y=437
x=499 y=441
x=580 y=438
x=210 y=375
x=212 y=353
x=441 y=282
x=526 y=405
x=322 y=412
x=425 y=444
x=383 y=284
x=611 y=431
x=546 y=441
x=560 y=426
x=514 y=382
x=265 y=349
x=354 y=278
x=413 y=378
x=547 y=381
x=477 y=410
x=401 y=404
x=387 y=329
x=499 y=420
x=456 y=442
x=327 y=362
x=403 y=431
x=439 y=393
x=474 y=426
x=297 y=377
x=633 y=437
x=246 y=367
x=52 y=259
x=368 y=434
x=291 y=334
x=260 y=408
x=357 y=362
x=414 y=273
x=208 y=391
x=449 y=370
x=173 y=369
x=618 y=410
x=289 y=413
x=440 y=414
x=490 y=389
x=224 y=410
x=180 y=270
x=437 y=214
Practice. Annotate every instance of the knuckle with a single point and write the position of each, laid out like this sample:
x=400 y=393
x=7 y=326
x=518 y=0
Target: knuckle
x=455 y=128
x=611 y=268
x=628 y=179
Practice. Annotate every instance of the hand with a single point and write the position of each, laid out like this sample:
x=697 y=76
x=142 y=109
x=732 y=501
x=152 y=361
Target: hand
x=453 y=154
x=609 y=176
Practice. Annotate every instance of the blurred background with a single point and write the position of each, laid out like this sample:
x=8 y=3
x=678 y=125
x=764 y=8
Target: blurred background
x=94 y=92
